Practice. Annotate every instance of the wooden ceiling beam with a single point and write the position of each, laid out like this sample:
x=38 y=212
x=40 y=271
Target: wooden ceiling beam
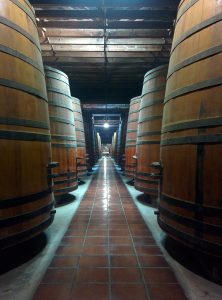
x=110 y=80
x=111 y=25
x=112 y=84
x=70 y=54
x=100 y=48
x=108 y=3
x=138 y=39
x=111 y=66
x=115 y=33
x=116 y=60
x=110 y=54
x=122 y=65
x=105 y=107
x=115 y=84
x=110 y=73
x=61 y=14
x=113 y=14
x=110 y=41
x=119 y=78
x=75 y=41
x=87 y=79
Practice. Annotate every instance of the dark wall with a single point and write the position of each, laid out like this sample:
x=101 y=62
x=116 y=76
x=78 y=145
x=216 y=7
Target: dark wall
x=106 y=134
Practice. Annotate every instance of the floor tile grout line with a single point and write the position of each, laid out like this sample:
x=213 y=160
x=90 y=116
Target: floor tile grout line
x=109 y=258
x=138 y=262
x=55 y=255
x=112 y=189
x=60 y=244
x=74 y=283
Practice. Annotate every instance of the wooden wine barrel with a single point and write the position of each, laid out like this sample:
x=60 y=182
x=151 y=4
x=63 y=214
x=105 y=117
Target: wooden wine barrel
x=62 y=131
x=113 y=145
x=121 y=142
x=118 y=143
x=149 y=129
x=80 y=138
x=95 y=144
x=191 y=144
x=88 y=129
x=131 y=134
x=111 y=148
x=99 y=145
x=26 y=198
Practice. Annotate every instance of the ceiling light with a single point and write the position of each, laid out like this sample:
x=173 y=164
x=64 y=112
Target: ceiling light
x=106 y=125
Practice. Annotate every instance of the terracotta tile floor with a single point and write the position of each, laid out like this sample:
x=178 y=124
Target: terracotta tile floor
x=108 y=252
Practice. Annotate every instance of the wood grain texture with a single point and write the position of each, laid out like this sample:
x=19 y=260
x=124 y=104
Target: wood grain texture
x=26 y=198
x=149 y=129
x=131 y=134
x=121 y=138
x=113 y=150
x=190 y=206
x=98 y=151
x=62 y=127
x=80 y=138
x=88 y=129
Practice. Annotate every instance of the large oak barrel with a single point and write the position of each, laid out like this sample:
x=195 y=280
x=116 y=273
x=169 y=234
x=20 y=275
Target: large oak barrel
x=95 y=144
x=25 y=155
x=118 y=143
x=131 y=134
x=149 y=129
x=80 y=138
x=114 y=146
x=62 y=131
x=121 y=138
x=88 y=129
x=99 y=145
x=191 y=143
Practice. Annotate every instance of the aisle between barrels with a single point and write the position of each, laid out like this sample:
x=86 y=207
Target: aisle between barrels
x=108 y=252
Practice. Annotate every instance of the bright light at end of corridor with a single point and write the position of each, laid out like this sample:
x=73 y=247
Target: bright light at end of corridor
x=106 y=125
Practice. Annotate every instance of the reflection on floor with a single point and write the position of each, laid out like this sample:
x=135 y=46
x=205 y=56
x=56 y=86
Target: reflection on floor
x=108 y=251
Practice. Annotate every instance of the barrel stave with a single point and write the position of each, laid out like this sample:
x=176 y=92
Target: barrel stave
x=131 y=134
x=26 y=193
x=62 y=127
x=80 y=138
x=190 y=206
x=149 y=129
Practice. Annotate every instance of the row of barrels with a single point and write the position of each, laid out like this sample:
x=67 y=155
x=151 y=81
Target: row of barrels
x=113 y=147
x=67 y=132
x=42 y=142
x=117 y=147
x=98 y=146
x=92 y=142
x=174 y=134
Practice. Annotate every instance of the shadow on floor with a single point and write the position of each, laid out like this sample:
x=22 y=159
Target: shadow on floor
x=204 y=265
x=130 y=182
x=64 y=199
x=147 y=200
x=16 y=256
x=81 y=182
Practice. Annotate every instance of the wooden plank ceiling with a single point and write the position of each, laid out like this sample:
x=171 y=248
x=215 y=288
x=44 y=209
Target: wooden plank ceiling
x=105 y=46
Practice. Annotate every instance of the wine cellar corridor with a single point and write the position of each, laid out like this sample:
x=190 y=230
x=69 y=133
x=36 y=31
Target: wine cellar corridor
x=110 y=149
